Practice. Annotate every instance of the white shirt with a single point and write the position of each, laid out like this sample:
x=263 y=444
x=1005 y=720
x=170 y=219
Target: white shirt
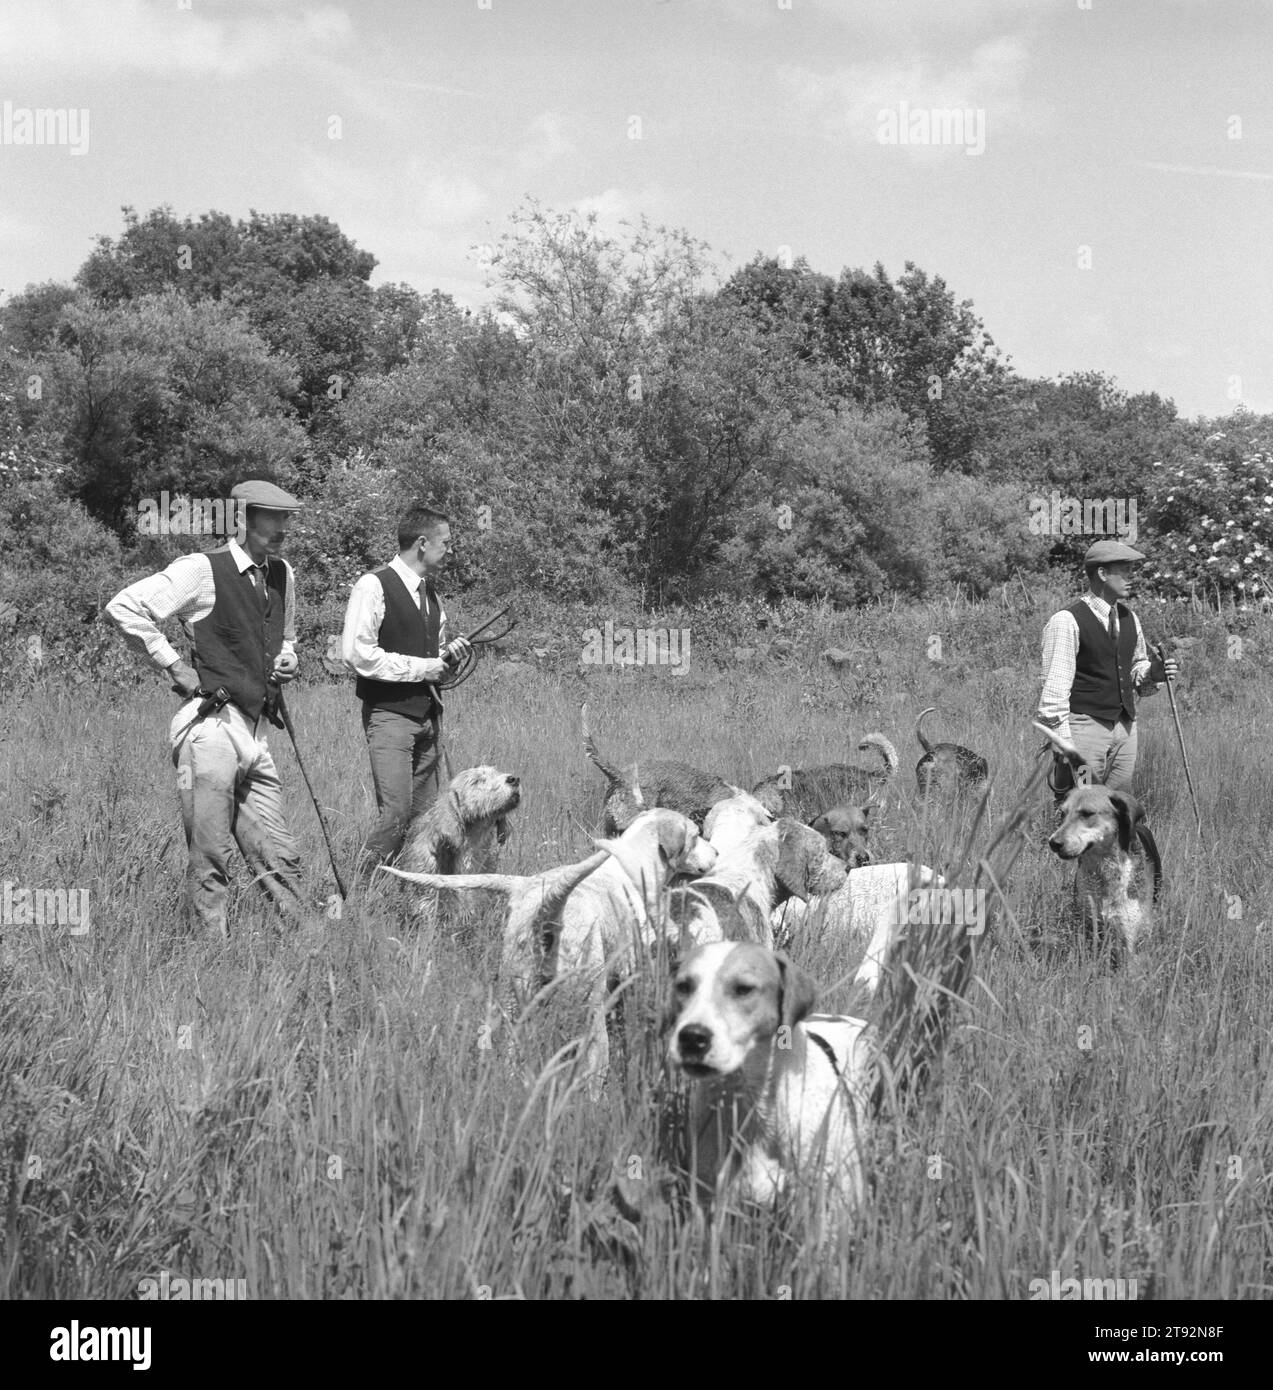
x=360 y=647
x=186 y=591
x=1060 y=651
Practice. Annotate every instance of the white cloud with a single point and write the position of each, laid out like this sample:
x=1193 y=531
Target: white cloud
x=76 y=38
x=546 y=142
x=849 y=100
x=614 y=207
x=447 y=200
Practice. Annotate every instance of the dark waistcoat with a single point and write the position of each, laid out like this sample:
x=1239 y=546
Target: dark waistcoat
x=404 y=629
x=1102 y=676
x=235 y=645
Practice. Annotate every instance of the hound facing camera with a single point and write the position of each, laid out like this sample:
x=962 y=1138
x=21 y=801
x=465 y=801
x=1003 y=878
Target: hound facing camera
x=192 y=516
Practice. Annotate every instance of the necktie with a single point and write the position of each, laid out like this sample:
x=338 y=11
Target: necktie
x=1113 y=624
x=426 y=593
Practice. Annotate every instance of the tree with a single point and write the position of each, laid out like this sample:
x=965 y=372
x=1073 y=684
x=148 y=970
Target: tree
x=161 y=393
x=29 y=319
x=300 y=282
x=908 y=344
x=851 y=516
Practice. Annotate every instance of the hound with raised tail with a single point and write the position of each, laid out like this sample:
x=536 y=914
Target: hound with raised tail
x=779 y=1092
x=947 y=764
x=1103 y=830
x=657 y=782
x=805 y=792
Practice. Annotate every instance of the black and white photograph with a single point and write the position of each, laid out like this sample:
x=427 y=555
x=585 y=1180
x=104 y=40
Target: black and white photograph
x=636 y=665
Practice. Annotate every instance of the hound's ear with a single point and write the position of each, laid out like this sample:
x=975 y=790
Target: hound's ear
x=797 y=992
x=821 y=825
x=674 y=839
x=1129 y=813
x=792 y=868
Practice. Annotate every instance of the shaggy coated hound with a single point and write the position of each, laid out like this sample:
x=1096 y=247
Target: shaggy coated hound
x=461 y=833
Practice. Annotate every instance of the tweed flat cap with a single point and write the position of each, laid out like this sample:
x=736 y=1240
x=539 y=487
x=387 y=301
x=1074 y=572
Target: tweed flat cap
x=1110 y=552
x=259 y=493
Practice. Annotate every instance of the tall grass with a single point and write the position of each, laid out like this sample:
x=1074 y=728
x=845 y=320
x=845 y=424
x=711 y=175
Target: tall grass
x=345 y=1124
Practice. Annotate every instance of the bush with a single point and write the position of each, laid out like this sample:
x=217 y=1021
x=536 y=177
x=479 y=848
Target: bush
x=1212 y=523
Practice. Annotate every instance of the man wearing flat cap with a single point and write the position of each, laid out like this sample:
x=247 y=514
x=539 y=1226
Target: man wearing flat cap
x=1095 y=663
x=237 y=608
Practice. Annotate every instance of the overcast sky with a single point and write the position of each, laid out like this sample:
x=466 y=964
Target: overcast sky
x=1110 y=127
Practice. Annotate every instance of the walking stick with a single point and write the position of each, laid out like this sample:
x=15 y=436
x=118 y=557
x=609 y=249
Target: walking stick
x=280 y=707
x=1175 y=714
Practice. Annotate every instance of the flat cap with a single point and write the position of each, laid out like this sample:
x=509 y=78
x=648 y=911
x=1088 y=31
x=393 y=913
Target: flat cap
x=259 y=493
x=1109 y=552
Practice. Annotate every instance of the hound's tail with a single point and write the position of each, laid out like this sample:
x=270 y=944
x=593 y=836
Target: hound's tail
x=1150 y=846
x=886 y=751
x=919 y=728
x=556 y=884
x=610 y=773
x=494 y=883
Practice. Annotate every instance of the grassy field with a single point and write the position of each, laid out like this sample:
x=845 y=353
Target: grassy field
x=343 y=1125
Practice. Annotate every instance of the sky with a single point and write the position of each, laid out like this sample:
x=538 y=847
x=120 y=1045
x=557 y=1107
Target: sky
x=1105 y=199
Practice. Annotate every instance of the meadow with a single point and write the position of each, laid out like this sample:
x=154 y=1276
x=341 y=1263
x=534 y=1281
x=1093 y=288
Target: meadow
x=343 y=1123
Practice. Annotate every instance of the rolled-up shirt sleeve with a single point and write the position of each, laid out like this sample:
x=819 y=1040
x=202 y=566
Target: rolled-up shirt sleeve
x=360 y=647
x=289 y=613
x=179 y=591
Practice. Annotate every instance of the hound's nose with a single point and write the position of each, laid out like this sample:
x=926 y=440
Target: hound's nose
x=861 y=857
x=694 y=1040
x=513 y=781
